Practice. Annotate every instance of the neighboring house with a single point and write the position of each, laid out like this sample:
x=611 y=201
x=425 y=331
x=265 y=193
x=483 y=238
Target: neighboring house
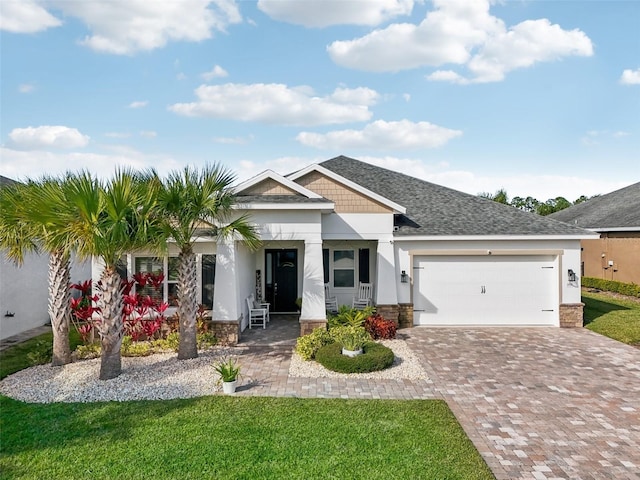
x=616 y=217
x=435 y=256
x=24 y=288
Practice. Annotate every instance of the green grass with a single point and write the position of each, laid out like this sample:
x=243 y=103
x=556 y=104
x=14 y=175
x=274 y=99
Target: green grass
x=231 y=438
x=615 y=318
x=16 y=358
x=243 y=437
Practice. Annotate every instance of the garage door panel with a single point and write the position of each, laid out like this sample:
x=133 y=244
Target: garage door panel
x=501 y=290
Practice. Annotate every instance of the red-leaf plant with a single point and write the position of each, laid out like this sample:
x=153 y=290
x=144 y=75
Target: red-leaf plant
x=380 y=328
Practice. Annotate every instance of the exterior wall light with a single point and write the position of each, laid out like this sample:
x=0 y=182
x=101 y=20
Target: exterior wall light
x=404 y=278
x=572 y=275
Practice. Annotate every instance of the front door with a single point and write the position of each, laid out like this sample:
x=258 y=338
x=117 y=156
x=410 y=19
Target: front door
x=281 y=279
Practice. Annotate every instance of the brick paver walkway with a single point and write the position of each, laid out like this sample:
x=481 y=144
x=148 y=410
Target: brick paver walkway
x=540 y=403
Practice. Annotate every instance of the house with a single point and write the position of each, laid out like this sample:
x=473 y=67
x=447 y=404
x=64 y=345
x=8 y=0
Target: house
x=24 y=289
x=435 y=256
x=616 y=217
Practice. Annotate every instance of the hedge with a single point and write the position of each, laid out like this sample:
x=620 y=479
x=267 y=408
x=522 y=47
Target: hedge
x=629 y=289
x=375 y=357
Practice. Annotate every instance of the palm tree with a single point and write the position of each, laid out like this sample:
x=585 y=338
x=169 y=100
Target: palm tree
x=113 y=219
x=33 y=221
x=196 y=203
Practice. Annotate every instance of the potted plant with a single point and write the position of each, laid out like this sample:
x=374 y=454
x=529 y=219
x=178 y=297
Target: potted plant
x=229 y=372
x=353 y=340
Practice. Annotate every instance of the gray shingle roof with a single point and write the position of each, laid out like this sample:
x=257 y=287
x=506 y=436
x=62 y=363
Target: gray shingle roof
x=436 y=210
x=6 y=181
x=619 y=209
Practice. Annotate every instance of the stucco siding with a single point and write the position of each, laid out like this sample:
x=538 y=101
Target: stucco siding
x=622 y=251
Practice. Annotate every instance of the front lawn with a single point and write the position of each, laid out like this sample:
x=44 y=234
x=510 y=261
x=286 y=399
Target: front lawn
x=236 y=437
x=613 y=317
x=230 y=437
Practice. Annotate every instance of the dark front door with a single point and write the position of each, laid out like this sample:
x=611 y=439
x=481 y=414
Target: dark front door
x=281 y=279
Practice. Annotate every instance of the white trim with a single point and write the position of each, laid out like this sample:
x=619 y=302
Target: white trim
x=340 y=179
x=276 y=177
x=484 y=252
x=325 y=206
x=614 y=229
x=411 y=238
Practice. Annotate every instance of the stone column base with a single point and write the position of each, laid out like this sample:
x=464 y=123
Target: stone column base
x=226 y=331
x=388 y=312
x=405 y=315
x=308 y=326
x=571 y=315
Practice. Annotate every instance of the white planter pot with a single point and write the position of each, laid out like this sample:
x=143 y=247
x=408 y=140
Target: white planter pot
x=229 y=387
x=351 y=353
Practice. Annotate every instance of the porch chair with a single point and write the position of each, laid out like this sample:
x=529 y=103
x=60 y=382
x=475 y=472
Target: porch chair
x=261 y=304
x=258 y=315
x=330 y=303
x=364 y=296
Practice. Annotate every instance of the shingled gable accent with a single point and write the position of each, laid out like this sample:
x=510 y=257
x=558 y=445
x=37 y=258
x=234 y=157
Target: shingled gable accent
x=270 y=183
x=348 y=196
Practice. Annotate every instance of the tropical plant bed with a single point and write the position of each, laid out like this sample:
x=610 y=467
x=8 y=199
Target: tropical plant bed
x=231 y=437
x=405 y=366
x=374 y=357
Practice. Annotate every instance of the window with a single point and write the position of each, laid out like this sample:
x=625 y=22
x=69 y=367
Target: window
x=168 y=266
x=343 y=268
x=208 y=279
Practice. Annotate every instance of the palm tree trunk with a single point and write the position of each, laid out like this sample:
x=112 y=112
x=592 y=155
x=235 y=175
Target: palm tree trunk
x=187 y=303
x=59 y=305
x=111 y=330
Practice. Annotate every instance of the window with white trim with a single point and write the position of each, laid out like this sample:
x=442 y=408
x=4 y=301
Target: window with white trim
x=344 y=268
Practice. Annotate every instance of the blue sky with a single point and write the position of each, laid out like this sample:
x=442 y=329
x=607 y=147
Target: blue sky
x=539 y=97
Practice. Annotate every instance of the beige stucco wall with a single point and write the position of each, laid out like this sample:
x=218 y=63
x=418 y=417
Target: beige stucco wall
x=623 y=249
x=346 y=200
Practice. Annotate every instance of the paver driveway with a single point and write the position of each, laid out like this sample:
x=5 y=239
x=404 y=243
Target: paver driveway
x=540 y=402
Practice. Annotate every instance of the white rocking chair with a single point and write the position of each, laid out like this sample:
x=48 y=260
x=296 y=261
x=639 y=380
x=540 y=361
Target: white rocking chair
x=257 y=315
x=363 y=298
x=330 y=303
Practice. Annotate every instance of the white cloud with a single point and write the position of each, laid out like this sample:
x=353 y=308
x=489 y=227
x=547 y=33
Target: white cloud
x=630 y=77
x=25 y=16
x=181 y=76
x=47 y=136
x=26 y=87
x=124 y=27
x=138 y=104
x=279 y=104
x=216 y=72
x=148 y=134
x=403 y=134
x=20 y=164
x=462 y=33
x=406 y=96
x=323 y=13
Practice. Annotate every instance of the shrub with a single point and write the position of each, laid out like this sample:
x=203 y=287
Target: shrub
x=135 y=349
x=350 y=316
x=308 y=345
x=228 y=370
x=375 y=357
x=206 y=340
x=41 y=353
x=380 y=328
x=629 y=289
x=90 y=350
x=351 y=338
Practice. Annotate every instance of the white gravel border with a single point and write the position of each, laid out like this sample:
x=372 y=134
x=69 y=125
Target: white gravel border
x=405 y=365
x=156 y=377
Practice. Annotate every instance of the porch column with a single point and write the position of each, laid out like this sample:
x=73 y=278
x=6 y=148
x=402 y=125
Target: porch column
x=225 y=316
x=386 y=281
x=313 y=314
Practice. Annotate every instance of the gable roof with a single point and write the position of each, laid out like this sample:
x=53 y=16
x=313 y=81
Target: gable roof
x=434 y=210
x=618 y=210
x=6 y=181
x=348 y=183
x=276 y=177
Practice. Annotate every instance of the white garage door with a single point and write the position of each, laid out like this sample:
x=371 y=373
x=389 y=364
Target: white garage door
x=485 y=290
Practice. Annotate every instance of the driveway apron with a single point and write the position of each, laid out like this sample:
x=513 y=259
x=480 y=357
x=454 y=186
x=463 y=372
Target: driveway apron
x=540 y=403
